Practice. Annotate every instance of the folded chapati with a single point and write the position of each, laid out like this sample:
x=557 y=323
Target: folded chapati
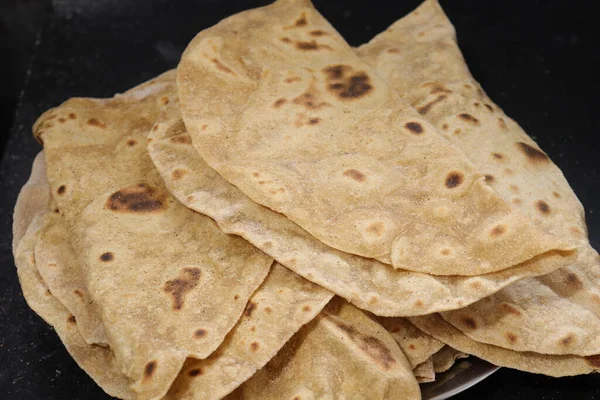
x=278 y=104
x=167 y=282
x=555 y=314
x=367 y=283
x=341 y=354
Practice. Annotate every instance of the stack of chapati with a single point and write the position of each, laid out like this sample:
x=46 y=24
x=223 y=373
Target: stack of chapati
x=259 y=223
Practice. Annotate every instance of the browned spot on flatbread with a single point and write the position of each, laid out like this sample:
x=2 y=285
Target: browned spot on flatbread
x=534 y=155
x=567 y=340
x=372 y=346
x=418 y=303
x=61 y=189
x=376 y=228
x=317 y=33
x=181 y=139
x=411 y=346
x=445 y=252
x=510 y=309
x=131 y=142
x=140 y=198
x=236 y=297
x=56 y=210
x=200 y=333
x=468 y=118
x=510 y=337
x=301 y=21
x=594 y=361
x=79 y=293
x=427 y=107
x=108 y=256
x=453 y=179
x=61 y=120
x=439 y=88
x=285 y=40
x=556 y=194
x=178 y=287
x=414 y=127
x=95 y=122
x=222 y=67
x=445 y=127
x=149 y=370
x=394 y=50
x=314 y=121
x=355 y=175
x=72 y=116
x=573 y=281
x=71 y=319
x=306 y=308
x=476 y=104
x=254 y=346
x=164 y=100
x=542 y=207
x=268 y=310
x=513 y=188
x=490 y=108
x=178 y=173
x=293 y=79
x=497 y=230
x=497 y=156
x=309 y=100
x=249 y=309
x=347 y=84
x=502 y=124
x=516 y=200
x=279 y=102
x=489 y=178
x=475 y=285
x=195 y=372
x=311 y=45
x=468 y=322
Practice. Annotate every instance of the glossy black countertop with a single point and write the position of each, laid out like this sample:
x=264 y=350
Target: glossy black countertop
x=537 y=59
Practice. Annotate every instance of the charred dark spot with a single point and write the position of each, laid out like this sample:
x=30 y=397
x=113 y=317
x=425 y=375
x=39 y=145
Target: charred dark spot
x=61 y=189
x=306 y=308
x=96 y=123
x=453 y=179
x=573 y=281
x=411 y=346
x=533 y=154
x=314 y=121
x=414 y=127
x=542 y=206
x=427 y=107
x=56 y=210
x=222 y=67
x=181 y=139
x=164 y=100
x=250 y=309
x=311 y=45
x=79 y=293
x=301 y=21
x=200 y=333
x=254 y=346
x=567 y=340
x=72 y=116
x=131 y=142
x=140 y=198
x=317 y=33
x=149 y=369
x=108 y=256
x=178 y=174
x=373 y=347
x=489 y=178
x=476 y=104
x=178 y=287
x=594 y=361
x=237 y=296
x=510 y=309
x=511 y=337
x=345 y=84
x=195 y=372
x=490 y=108
x=285 y=40
x=556 y=194
x=71 y=319
x=468 y=118
x=498 y=230
x=279 y=103
x=468 y=322
x=355 y=175
x=61 y=120
x=497 y=156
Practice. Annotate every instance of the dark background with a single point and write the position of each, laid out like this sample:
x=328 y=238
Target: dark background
x=537 y=59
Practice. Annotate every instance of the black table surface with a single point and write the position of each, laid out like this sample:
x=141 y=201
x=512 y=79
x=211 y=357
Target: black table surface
x=537 y=59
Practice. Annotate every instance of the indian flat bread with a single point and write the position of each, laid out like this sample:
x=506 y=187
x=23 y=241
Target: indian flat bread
x=547 y=364
x=424 y=372
x=445 y=358
x=167 y=282
x=283 y=303
x=341 y=354
x=57 y=264
x=415 y=344
x=367 y=283
x=290 y=115
x=96 y=361
x=555 y=314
